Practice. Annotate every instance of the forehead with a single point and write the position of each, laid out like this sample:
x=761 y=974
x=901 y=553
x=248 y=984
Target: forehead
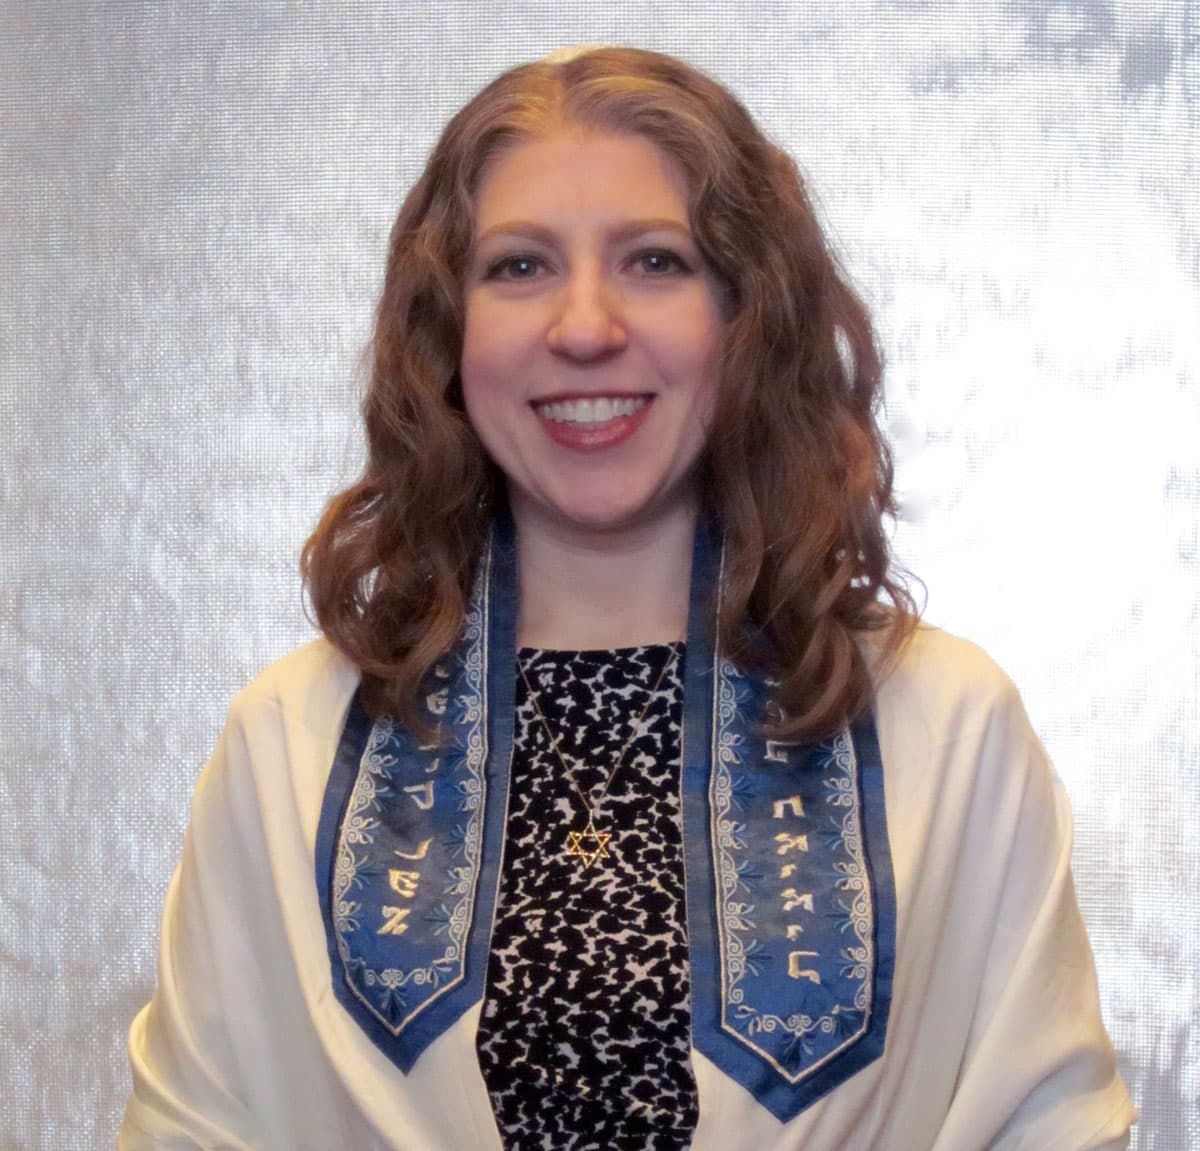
x=581 y=172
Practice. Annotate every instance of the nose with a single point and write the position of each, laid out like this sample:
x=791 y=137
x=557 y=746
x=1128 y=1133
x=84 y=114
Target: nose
x=587 y=324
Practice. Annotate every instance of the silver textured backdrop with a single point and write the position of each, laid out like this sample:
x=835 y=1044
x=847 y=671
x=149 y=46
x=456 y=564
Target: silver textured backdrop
x=194 y=204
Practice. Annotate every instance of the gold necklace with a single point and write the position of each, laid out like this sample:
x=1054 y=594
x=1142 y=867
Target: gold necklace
x=591 y=844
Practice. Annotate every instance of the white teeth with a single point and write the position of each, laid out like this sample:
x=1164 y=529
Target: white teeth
x=598 y=411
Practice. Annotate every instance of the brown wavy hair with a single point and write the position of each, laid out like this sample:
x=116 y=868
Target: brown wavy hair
x=795 y=470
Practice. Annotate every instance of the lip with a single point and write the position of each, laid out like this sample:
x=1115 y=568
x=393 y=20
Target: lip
x=566 y=397
x=592 y=437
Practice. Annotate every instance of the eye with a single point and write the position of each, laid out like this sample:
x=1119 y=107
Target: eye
x=659 y=262
x=518 y=267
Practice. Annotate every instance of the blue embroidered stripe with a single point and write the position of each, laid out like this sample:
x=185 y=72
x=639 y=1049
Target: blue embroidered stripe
x=791 y=906
x=790 y=901
x=408 y=843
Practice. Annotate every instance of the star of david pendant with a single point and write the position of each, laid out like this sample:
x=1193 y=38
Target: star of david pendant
x=588 y=845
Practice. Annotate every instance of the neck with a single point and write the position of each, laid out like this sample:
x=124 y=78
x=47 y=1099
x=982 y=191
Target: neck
x=583 y=590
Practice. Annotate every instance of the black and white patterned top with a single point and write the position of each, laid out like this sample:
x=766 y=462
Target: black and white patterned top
x=585 y=1036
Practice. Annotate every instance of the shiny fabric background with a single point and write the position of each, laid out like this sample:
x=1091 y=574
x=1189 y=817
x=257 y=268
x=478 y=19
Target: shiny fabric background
x=194 y=206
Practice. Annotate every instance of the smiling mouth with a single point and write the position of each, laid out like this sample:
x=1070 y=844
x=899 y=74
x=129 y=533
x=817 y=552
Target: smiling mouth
x=587 y=412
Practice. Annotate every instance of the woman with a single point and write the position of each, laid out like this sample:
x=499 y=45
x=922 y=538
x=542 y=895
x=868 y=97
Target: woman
x=624 y=805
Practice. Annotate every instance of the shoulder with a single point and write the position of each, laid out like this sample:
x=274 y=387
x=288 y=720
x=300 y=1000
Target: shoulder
x=989 y=936
x=309 y=688
x=964 y=769
x=278 y=744
x=945 y=688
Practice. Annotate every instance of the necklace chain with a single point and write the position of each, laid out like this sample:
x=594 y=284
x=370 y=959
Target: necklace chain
x=591 y=844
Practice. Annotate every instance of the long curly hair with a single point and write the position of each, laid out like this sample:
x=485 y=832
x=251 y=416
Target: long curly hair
x=795 y=470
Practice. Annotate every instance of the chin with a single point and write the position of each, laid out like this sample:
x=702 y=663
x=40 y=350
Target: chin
x=599 y=520
x=608 y=509
x=608 y=518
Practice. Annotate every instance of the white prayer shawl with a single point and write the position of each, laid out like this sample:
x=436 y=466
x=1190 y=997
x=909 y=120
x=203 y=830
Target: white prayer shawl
x=994 y=1038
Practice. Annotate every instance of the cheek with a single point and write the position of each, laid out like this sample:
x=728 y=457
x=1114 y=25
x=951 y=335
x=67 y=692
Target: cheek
x=482 y=408
x=490 y=351
x=478 y=366
x=485 y=369
x=711 y=341
x=471 y=358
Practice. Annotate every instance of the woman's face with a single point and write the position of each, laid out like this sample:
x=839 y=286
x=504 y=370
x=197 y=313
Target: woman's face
x=593 y=331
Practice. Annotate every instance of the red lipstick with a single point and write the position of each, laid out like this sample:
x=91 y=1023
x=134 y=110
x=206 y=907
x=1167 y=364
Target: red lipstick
x=588 y=437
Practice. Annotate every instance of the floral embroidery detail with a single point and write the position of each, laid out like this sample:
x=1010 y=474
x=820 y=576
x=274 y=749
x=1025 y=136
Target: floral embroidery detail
x=853 y=875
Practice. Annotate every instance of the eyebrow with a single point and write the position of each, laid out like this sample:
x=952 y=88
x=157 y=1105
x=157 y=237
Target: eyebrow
x=627 y=230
